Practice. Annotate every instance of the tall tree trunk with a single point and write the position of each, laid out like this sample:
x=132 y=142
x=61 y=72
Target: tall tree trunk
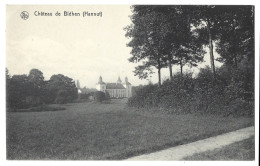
x=181 y=68
x=211 y=50
x=159 y=72
x=170 y=66
x=181 y=65
x=159 y=77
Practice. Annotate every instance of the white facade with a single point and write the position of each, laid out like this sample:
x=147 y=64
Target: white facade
x=115 y=90
x=101 y=86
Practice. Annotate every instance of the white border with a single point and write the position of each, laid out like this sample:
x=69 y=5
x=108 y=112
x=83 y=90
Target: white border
x=3 y=4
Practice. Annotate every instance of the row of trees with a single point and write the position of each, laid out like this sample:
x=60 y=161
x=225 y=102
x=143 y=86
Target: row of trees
x=162 y=36
x=26 y=91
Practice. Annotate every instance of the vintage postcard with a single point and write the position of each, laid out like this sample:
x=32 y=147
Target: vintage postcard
x=130 y=82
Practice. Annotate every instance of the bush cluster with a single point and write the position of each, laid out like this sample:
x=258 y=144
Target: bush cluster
x=101 y=96
x=30 y=91
x=231 y=93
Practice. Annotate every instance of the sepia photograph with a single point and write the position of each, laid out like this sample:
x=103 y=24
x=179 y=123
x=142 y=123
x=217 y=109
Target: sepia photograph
x=130 y=82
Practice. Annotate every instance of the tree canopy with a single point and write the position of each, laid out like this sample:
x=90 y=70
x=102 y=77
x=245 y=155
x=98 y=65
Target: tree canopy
x=162 y=36
x=26 y=91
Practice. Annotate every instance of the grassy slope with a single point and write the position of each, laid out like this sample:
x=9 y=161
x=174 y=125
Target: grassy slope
x=106 y=131
x=243 y=150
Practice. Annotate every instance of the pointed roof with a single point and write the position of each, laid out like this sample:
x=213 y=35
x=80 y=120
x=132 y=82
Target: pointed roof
x=119 y=80
x=114 y=86
x=126 y=81
x=100 y=80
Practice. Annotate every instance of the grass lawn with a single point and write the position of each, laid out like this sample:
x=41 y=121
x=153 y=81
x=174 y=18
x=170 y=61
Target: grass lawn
x=92 y=131
x=243 y=150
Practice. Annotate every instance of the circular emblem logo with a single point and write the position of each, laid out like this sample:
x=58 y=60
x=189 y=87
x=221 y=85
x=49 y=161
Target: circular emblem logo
x=24 y=15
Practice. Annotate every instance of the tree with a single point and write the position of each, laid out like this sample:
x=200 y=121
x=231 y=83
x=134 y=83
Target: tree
x=181 y=45
x=190 y=55
x=231 y=28
x=205 y=19
x=60 y=86
x=175 y=30
x=146 y=35
x=17 y=91
x=7 y=81
x=36 y=79
x=99 y=96
x=188 y=49
x=144 y=70
x=27 y=91
x=161 y=36
x=236 y=35
x=7 y=75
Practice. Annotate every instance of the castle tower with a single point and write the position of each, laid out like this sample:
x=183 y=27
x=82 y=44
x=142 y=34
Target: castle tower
x=128 y=87
x=101 y=86
x=100 y=80
x=119 y=80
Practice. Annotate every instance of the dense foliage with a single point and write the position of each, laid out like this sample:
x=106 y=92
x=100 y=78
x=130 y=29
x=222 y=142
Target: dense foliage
x=162 y=36
x=29 y=91
x=99 y=96
x=227 y=95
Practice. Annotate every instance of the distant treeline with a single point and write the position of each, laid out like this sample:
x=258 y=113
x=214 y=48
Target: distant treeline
x=24 y=91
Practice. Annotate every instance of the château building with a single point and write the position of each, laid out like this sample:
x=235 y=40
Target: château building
x=115 y=90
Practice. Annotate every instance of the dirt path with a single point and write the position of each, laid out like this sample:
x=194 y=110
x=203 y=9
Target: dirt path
x=179 y=152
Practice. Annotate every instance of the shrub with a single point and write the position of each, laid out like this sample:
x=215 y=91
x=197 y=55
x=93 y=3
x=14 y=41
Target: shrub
x=144 y=97
x=231 y=93
x=171 y=96
x=32 y=101
x=99 y=96
x=107 y=96
x=84 y=96
x=60 y=100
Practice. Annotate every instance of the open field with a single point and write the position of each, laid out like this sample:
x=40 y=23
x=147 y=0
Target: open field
x=92 y=131
x=243 y=150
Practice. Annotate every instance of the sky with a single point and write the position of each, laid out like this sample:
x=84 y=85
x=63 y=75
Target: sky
x=82 y=48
